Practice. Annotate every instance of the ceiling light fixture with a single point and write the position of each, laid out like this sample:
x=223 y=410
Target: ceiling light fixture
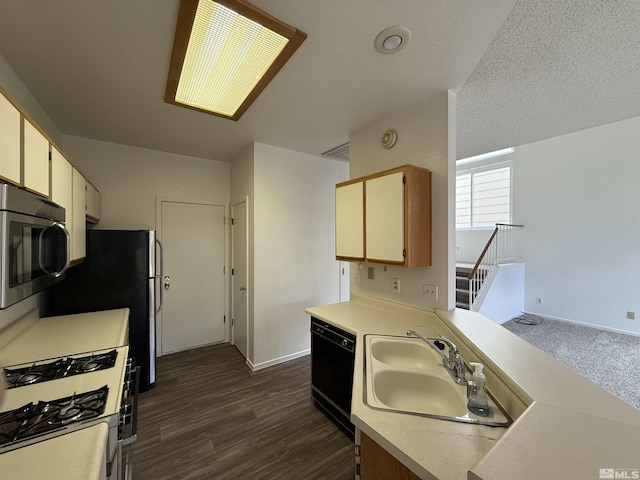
x=225 y=52
x=392 y=39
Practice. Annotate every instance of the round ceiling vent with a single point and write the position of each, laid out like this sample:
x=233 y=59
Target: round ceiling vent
x=389 y=138
x=392 y=39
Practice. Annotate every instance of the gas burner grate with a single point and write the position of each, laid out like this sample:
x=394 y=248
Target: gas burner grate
x=18 y=377
x=43 y=417
x=66 y=367
x=13 y=421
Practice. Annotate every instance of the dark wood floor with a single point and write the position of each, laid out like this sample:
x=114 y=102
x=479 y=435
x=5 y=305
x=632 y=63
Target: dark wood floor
x=210 y=417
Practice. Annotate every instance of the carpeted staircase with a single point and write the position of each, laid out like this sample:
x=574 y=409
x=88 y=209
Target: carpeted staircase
x=462 y=287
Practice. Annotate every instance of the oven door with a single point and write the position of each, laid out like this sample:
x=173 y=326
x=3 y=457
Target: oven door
x=128 y=427
x=35 y=255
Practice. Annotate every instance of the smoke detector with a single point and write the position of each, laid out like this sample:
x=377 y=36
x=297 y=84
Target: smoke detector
x=389 y=138
x=392 y=39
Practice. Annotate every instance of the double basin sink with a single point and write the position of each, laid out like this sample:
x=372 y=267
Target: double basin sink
x=405 y=375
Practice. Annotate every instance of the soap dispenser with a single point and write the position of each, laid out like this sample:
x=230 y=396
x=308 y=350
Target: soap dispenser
x=477 y=402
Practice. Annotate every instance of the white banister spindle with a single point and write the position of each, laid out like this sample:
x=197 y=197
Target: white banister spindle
x=503 y=247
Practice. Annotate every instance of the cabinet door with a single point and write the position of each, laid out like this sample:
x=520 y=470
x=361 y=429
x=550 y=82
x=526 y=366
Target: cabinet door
x=62 y=187
x=350 y=221
x=378 y=464
x=9 y=141
x=93 y=204
x=97 y=205
x=78 y=244
x=385 y=218
x=36 y=160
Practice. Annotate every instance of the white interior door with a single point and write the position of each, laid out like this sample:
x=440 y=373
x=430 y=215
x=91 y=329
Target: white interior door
x=193 y=238
x=240 y=296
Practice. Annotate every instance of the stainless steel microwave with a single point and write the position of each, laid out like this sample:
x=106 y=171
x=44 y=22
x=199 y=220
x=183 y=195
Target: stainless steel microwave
x=35 y=244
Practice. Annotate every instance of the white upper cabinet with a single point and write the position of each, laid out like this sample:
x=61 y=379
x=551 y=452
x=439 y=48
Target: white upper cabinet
x=62 y=188
x=385 y=218
x=9 y=141
x=93 y=204
x=350 y=220
x=29 y=160
x=78 y=246
x=36 y=160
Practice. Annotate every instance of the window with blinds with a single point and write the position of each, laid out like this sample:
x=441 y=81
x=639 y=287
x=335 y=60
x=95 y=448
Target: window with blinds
x=483 y=196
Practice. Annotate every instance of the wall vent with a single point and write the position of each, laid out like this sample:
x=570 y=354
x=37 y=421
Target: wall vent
x=340 y=152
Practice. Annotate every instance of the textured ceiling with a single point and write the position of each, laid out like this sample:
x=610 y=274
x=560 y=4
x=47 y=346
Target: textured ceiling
x=556 y=66
x=99 y=69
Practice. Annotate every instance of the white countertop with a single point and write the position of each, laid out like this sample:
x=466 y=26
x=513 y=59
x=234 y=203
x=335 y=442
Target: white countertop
x=551 y=431
x=556 y=406
x=52 y=337
x=78 y=455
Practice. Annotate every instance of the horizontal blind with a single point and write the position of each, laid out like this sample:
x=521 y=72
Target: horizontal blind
x=463 y=200
x=483 y=198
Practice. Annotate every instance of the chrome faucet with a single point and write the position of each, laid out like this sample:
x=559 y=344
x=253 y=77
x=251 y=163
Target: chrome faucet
x=453 y=363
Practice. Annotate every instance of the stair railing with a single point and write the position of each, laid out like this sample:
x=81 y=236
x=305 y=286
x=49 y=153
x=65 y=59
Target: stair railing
x=503 y=246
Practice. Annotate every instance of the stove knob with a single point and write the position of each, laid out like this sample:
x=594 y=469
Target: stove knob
x=344 y=342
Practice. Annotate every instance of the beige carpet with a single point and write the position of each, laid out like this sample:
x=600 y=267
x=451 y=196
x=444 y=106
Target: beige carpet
x=608 y=359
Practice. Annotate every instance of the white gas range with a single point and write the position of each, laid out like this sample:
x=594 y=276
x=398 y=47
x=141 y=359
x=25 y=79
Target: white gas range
x=90 y=395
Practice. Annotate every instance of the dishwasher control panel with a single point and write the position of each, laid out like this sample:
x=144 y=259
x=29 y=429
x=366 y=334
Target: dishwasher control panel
x=333 y=334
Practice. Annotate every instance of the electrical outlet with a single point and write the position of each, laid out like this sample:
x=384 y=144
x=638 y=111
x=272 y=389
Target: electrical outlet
x=430 y=291
x=356 y=278
x=631 y=315
x=395 y=285
x=538 y=299
x=370 y=273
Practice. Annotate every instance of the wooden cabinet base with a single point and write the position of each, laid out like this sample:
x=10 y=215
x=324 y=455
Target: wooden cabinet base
x=378 y=464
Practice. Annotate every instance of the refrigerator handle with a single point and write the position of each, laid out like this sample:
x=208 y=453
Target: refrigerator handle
x=160 y=274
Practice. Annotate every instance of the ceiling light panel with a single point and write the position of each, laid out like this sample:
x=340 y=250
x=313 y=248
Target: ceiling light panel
x=225 y=57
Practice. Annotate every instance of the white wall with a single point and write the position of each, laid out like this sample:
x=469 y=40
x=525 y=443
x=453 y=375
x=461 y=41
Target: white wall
x=20 y=95
x=294 y=255
x=426 y=138
x=578 y=198
x=242 y=188
x=469 y=244
x=504 y=297
x=130 y=178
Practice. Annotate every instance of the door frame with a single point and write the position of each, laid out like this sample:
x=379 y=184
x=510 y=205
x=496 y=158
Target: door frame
x=227 y=270
x=246 y=253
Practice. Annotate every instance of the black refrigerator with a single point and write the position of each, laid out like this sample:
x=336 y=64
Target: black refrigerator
x=120 y=270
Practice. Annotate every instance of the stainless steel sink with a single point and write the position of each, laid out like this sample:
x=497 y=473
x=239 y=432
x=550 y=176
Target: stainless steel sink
x=405 y=375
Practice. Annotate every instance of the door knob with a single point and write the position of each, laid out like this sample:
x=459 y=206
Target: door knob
x=167 y=282
x=243 y=288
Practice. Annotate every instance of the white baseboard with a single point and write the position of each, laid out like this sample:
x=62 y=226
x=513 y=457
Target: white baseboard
x=275 y=361
x=598 y=327
x=506 y=319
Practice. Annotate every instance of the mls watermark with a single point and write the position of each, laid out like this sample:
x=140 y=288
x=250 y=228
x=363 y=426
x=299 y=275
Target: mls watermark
x=620 y=473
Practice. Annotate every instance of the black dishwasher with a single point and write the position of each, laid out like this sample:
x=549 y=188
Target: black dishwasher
x=332 y=358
